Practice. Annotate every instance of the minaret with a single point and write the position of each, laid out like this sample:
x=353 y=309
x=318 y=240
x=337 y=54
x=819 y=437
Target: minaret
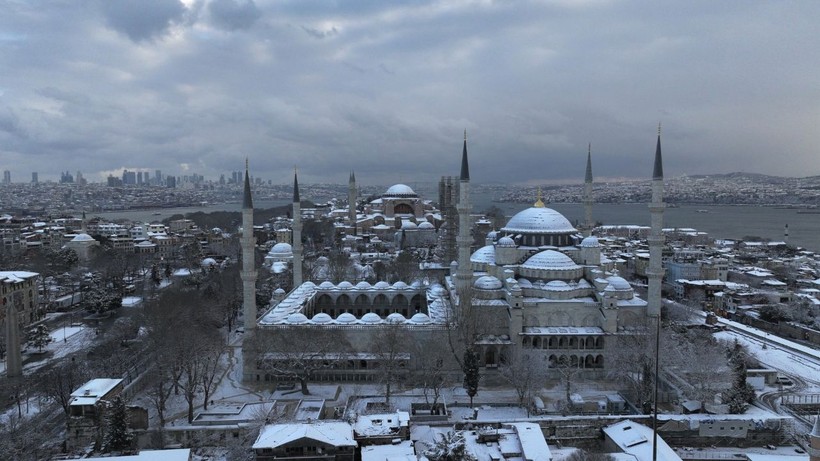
x=588 y=194
x=351 y=201
x=297 y=233
x=655 y=270
x=814 y=441
x=464 y=273
x=248 y=274
x=786 y=234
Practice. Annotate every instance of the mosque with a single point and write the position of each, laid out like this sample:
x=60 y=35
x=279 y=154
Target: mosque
x=538 y=285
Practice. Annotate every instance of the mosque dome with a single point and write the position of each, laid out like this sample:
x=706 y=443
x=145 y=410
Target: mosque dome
x=506 y=242
x=346 y=318
x=281 y=248
x=208 y=262
x=408 y=225
x=345 y=285
x=492 y=234
x=557 y=285
x=395 y=317
x=420 y=318
x=539 y=220
x=83 y=238
x=400 y=285
x=309 y=284
x=363 y=285
x=524 y=283
x=371 y=318
x=296 y=318
x=321 y=318
x=381 y=285
x=426 y=225
x=590 y=242
x=279 y=291
x=326 y=285
x=550 y=260
x=487 y=282
x=400 y=190
x=617 y=284
x=437 y=290
x=484 y=255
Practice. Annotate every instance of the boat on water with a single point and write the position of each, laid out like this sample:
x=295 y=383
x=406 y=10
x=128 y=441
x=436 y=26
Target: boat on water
x=702 y=211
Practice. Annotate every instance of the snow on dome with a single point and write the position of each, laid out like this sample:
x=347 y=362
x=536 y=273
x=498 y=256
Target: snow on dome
x=550 y=260
x=506 y=242
x=281 y=248
x=279 y=291
x=208 y=262
x=399 y=190
x=321 y=318
x=309 y=284
x=524 y=283
x=484 y=255
x=82 y=238
x=346 y=318
x=371 y=318
x=322 y=260
x=437 y=290
x=617 y=284
x=363 y=285
x=590 y=242
x=487 y=282
x=420 y=319
x=345 y=285
x=400 y=285
x=538 y=220
x=381 y=285
x=492 y=234
x=426 y=225
x=297 y=318
x=327 y=285
x=395 y=317
x=408 y=225
x=556 y=285
x=416 y=284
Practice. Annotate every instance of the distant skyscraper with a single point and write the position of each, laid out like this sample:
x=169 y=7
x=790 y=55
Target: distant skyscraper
x=7 y=177
x=158 y=177
x=34 y=178
x=171 y=181
x=139 y=177
x=129 y=177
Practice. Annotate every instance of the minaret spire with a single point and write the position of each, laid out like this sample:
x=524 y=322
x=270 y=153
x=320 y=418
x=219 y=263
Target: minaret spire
x=464 y=274
x=465 y=166
x=588 y=193
x=296 y=227
x=351 y=202
x=248 y=244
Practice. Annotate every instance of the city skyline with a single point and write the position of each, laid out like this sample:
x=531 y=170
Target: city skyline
x=386 y=90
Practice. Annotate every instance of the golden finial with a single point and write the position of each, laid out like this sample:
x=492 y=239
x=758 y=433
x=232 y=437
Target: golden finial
x=539 y=203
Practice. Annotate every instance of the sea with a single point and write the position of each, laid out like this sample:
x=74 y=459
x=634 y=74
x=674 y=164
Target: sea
x=719 y=221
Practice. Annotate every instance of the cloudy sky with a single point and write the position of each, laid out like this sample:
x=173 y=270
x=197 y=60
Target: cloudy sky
x=387 y=88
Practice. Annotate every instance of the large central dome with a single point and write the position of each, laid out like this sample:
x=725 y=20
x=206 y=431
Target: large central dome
x=539 y=220
x=400 y=190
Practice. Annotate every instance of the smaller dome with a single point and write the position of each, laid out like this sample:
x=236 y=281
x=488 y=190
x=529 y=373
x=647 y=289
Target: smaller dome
x=492 y=234
x=550 y=260
x=426 y=225
x=416 y=284
x=345 y=285
x=524 y=283
x=408 y=225
x=381 y=285
x=296 y=318
x=617 y=284
x=208 y=262
x=326 y=285
x=82 y=238
x=437 y=290
x=556 y=285
x=400 y=285
x=309 y=284
x=322 y=260
x=371 y=318
x=395 y=317
x=487 y=282
x=484 y=255
x=279 y=291
x=363 y=285
x=346 y=318
x=590 y=242
x=281 y=248
x=506 y=242
x=420 y=319
x=321 y=318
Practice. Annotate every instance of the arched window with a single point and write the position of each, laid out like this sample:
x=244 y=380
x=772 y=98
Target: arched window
x=489 y=356
x=402 y=208
x=343 y=303
x=381 y=301
x=400 y=302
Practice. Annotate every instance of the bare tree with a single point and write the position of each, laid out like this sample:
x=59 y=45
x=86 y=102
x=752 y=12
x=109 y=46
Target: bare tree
x=59 y=382
x=298 y=353
x=523 y=373
x=389 y=345
x=430 y=374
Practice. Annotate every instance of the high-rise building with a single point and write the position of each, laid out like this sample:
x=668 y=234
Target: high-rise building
x=129 y=177
x=158 y=177
x=139 y=178
x=7 y=177
x=34 y=177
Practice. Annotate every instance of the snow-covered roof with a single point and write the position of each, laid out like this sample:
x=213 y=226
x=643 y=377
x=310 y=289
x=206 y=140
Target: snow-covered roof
x=484 y=255
x=590 y=242
x=83 y=238
x=550 y=260
x=335 y=433
x=281 y=248
x=533 y=444
x=399 y=190
x=636 y=440
x=617 y=284
x=175 y=454
x=487 y=282
x=566 y=331
x=538 y=220
x=16 y=276
x=92 y=391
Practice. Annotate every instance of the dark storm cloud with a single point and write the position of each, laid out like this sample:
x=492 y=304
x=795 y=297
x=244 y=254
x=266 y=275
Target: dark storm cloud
x=387 y=88
x=233 y=14
x=143 y=19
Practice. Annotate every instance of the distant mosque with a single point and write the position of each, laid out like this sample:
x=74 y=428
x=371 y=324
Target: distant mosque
x=538 y=285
